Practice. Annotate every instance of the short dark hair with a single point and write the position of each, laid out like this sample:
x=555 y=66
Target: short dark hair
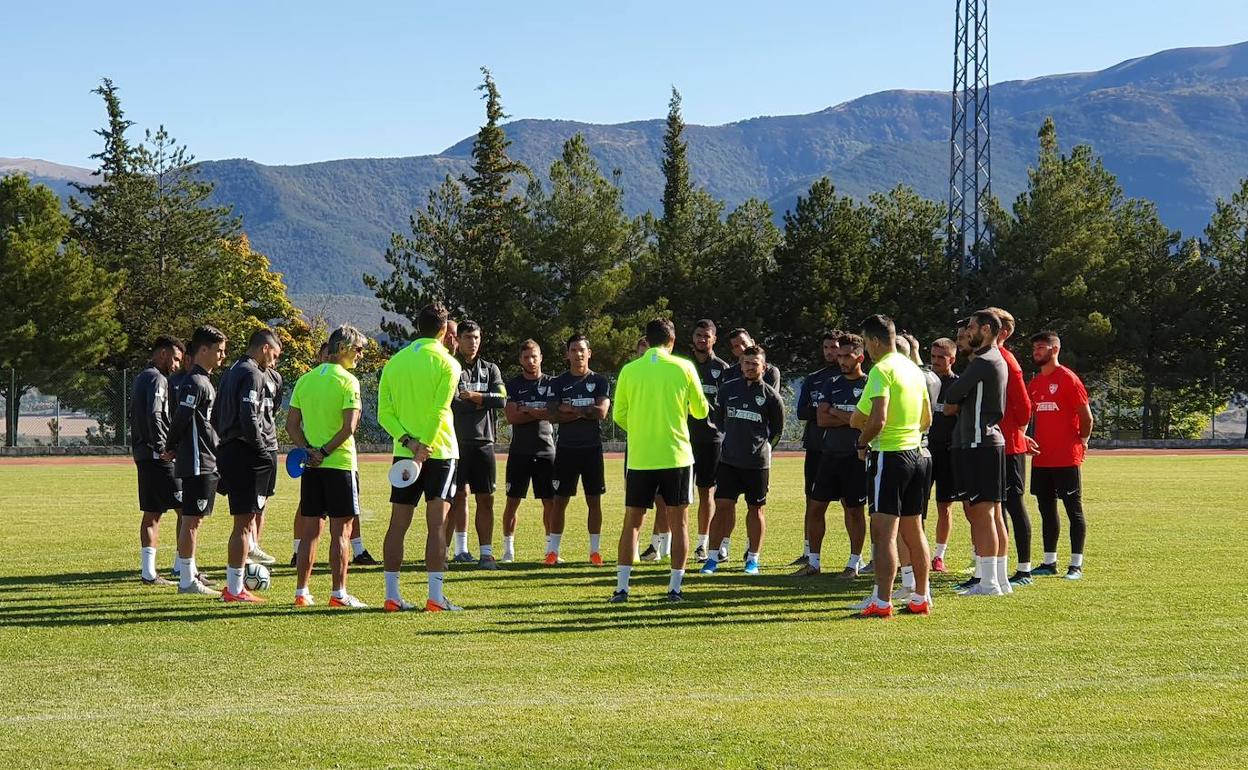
x=737 y=332
x=833 y=334
x=165 y=342
x=962 y=323
x=989 y=319
x=851 y=341
x=1047 y=337
x=432 y=319
x=880 y=328
x=261 y=337
x=754 y=350
x=707 y=324
x=205 y=336
x=660 y=331
x=529 y=343
x=469 y=326
x=575 y=338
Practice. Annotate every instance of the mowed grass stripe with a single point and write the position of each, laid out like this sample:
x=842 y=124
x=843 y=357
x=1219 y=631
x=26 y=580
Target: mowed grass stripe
x=1141 y=664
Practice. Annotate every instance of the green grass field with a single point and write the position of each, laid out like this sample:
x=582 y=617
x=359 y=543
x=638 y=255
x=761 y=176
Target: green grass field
x=1142 y=664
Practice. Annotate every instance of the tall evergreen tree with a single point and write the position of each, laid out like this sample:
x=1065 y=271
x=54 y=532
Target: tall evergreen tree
x=1226 y=243
x=912 y=279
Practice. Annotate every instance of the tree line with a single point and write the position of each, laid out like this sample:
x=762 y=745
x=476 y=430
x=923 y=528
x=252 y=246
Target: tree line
x=1157 y=319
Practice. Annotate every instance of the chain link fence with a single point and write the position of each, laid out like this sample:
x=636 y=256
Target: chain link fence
x=55 y=408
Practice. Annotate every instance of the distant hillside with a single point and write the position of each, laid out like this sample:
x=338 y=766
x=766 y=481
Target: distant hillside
x=1173 y=126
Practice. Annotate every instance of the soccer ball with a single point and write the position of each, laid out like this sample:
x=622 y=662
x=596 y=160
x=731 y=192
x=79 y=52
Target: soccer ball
x=256 y=577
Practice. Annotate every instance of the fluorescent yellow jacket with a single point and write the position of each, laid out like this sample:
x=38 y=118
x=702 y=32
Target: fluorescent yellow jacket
x=654 y=397
x=414 y=398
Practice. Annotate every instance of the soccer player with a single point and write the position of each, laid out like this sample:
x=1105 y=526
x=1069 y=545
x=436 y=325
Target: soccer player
x=978 y=398
x=740 y=339
x=1013 y=425
x=752 y=416
x=324 y=414
x=706 y=436
x=247 y=453
x=531 y=456
x=812 y=433
x=322 y=356
x=939 y=440
x=1063 y=426
x=159 y=488
x=654 y=397
x=414 y=406
x=191 y=431
x=661 y=538
x=579 y=401
x=842 y=474
x=481 y=394
x=893 y=413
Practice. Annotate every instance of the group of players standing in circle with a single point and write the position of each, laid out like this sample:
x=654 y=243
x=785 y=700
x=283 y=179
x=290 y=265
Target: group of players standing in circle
x=697 y=429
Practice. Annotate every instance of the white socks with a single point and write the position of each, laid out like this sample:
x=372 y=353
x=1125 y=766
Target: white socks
x=435 y=587
x=751 y=556
x=303 y=592
x=725 y=546
x=1050 y=557
x=656 y=542
x=665 y=545
x=357 y=546
x=907 y=578
x=234 y=579
x=1003 y=574
x=1076 y=560
x=147 y=562
x=552 y=543
x=339 y=593
x=186 y=572
x=461 y=542
x=813 y=560
x=855 y=561
x=704 y=541
x=940 y=550
x=487 y=549
x=673 y=583
x=594 y=542
x=622 y=574
x=295 y=548
x=1024 y=566
x=392 y=587
x=806 y=548
x=509 y=545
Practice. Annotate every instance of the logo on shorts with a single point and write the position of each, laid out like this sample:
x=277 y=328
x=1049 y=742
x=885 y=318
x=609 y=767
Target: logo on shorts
x=177 y=495
x=260 y=501
x=555 y=483
x=201 y=504
x=1053 y=388
x=508 y=486
x=760 y=400
x=590 y=386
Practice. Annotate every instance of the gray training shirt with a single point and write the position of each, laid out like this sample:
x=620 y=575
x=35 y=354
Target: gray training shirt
x=980 y=392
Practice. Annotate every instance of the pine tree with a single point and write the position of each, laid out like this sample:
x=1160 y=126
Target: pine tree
x=1226 y=243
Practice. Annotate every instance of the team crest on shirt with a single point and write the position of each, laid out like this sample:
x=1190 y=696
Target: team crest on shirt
x=555 y=484
x=1052 y=388
x=715 y=373
x=590 y=386
x=857 y=392
x=201 y=504
x=760 y=400
x=177 y=495
x=260 y=501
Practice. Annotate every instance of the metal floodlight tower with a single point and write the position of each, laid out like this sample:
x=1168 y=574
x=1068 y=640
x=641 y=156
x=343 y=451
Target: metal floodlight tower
x=970 y=151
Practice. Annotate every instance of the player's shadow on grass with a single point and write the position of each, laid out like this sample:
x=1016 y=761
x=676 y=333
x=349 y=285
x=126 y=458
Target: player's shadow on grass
x=97 y=615
x=20 y=582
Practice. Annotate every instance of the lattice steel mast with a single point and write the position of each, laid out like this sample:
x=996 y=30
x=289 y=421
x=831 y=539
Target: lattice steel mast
x=970 y=150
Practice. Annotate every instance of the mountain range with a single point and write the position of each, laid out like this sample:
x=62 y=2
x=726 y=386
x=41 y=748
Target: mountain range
x=1173 y=126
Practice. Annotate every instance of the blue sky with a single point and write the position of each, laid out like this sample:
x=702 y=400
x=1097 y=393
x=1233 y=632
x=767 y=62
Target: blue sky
x=289 y=82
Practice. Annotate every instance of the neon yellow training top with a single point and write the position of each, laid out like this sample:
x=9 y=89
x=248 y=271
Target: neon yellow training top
x=654 y=397
x=904 y=388
x=414 y=398
x=321 y=396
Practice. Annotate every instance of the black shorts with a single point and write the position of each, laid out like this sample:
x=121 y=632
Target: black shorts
x=248 y=476
x=731 y=482
x=841 y=477
x=435 y=482
x=705 y=463
x=159 y=489
x=521 y=469
x=943 y=478
x=1065 y=482
x=1015 y=474
x=331 y=492
x=900 y=482
x=478 y=469
x=980 y=473
x=199 y=493
x=584 y=464
x=810 y=470
x=675 y=484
